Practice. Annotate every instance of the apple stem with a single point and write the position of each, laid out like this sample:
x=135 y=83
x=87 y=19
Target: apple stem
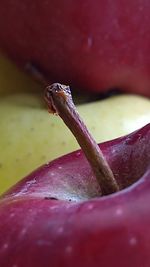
x=59 y=100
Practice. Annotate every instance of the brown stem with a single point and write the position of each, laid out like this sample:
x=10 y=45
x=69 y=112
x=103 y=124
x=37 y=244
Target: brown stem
x=59 y=100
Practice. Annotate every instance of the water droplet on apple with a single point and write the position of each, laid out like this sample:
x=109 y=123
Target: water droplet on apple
x=90 y=207
x=141 y=8
x=133 y=241
x=119 y=211
x=5 y=246
x=78 y=154
x=12 y=215
x=23 y=232
x=68 y=249
x=53 y=208
x=90 y=41
x=60 y=230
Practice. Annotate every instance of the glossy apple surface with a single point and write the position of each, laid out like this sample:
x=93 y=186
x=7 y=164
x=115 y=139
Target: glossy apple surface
x=91 y=45
x=55 y=217
x=29 y=137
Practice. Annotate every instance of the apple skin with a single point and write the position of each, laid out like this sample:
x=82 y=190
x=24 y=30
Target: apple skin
x=41 y=227
x=88 y=45
x=50 y=138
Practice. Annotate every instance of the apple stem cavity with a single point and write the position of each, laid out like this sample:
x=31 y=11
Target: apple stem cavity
x=59 y=100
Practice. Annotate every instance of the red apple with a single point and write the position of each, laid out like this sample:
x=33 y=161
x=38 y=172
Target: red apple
x=89 y=44
x=56 y=216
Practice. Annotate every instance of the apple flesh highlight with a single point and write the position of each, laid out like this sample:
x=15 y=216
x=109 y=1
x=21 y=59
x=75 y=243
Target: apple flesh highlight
x=55 y=217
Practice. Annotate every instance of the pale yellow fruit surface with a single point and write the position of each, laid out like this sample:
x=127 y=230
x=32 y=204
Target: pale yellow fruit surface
x=12 y=79
x=30 y=136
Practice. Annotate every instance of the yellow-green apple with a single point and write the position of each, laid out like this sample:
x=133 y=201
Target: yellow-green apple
x=93 y=45
x=13 y=80
x=30 y=138
x=57 y=216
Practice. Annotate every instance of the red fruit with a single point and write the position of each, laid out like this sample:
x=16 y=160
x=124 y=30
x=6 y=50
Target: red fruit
x=80 y=228
x=89 y=44
x=56 y=217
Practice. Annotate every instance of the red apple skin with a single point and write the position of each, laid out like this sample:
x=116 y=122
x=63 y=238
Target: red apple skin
x=37 y=230
x=93 y=45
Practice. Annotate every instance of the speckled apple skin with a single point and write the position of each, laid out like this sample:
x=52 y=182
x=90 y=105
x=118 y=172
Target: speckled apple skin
x=55 y=217
x=89 y=45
